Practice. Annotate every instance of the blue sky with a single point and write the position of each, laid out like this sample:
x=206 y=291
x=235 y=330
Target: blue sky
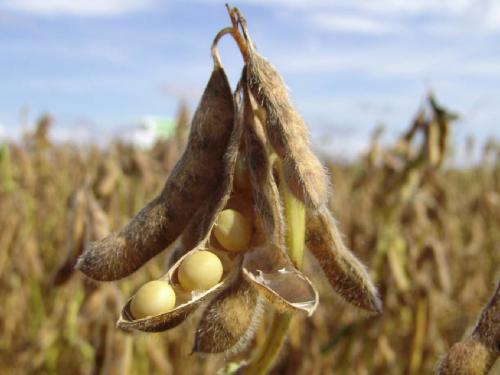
x=99 y=66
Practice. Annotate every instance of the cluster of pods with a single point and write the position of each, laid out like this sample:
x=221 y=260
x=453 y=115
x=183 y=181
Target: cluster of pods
x=246 y=192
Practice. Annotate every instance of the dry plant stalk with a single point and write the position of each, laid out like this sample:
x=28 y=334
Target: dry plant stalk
x=88 y=222
x=411 y=258
x=258 y=126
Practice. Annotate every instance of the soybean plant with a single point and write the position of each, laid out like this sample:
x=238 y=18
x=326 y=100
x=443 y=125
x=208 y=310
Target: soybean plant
x=239 y=208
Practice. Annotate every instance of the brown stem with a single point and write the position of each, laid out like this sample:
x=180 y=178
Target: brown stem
x=237 y=20
x=214 y=50
x=244 y=43
x=244 y=28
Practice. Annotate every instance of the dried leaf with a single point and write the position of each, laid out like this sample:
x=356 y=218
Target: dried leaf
x=97 y=225
x=118 y=352
x=345 y=273
x=287 y=133
x=275 y=277
x=108 y=174
x=228 y=323
x=74 y=235
x=432 y=143
x=194 y=179
x=86 y=222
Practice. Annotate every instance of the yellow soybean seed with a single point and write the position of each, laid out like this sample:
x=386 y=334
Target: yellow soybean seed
x=200 y=271
x=232 y=230
x=153 y=298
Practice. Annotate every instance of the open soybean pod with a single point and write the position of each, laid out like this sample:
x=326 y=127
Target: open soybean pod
x=287 y=132
x=346 y=274
x=274 y=276
x=186 y=302
x=192 y=182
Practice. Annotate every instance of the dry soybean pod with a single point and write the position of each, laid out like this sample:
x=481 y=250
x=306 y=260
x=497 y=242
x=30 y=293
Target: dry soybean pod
x=346 y=273
x=264 y=189
x=199 y=227
x=286 y=130
x=194 y=178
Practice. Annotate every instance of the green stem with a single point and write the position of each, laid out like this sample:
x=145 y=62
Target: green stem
x=295 y=217
x=272 y=346
x=295 y=235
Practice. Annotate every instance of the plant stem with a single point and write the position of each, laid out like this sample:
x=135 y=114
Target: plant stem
x=295 y=235
x=272 y=346
x=234 y=15
x=295 y=218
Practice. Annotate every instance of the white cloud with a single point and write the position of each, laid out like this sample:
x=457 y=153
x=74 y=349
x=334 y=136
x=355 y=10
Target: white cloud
x=407 y=7
x=374 y=62
x=350 y=23
x=391 y=61
x=493 y=17
x=449 y=17
x=76 y=7
x=413 y=7
x=89 y=51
